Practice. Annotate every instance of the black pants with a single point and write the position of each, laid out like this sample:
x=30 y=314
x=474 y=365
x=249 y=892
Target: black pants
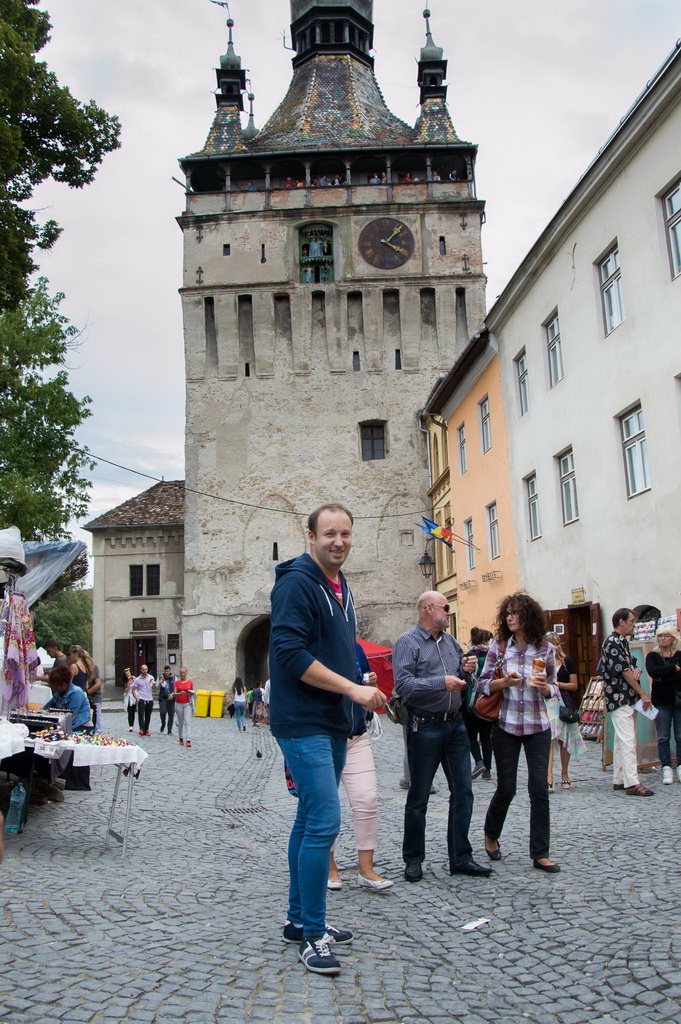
x=144 y=708
x=132 y=711
x=478 y=727
x=506 y=755
x=166 y=707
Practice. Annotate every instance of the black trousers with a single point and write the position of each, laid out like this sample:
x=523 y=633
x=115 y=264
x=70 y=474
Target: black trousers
x=144 y=708
x=132 y=711
x=507 y=749
x=166 y=708
x=478 y=727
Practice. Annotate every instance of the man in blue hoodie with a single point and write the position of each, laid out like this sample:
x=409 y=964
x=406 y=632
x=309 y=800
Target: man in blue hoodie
x=312 y=673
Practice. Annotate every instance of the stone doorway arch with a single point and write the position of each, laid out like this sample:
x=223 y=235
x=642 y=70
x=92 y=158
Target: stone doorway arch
x=253 y=651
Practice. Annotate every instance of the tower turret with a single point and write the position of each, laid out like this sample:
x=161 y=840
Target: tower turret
x=432 y=68
x=231 y=78
x=326 y=26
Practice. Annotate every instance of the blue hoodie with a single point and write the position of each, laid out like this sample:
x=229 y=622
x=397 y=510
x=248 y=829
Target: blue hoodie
x=308 y=624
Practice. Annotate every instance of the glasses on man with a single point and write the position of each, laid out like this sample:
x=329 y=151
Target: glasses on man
x=445 y=607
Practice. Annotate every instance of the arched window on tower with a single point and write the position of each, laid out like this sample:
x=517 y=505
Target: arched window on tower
x=315 y=242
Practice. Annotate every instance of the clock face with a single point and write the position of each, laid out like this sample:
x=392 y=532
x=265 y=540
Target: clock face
x=386 y=243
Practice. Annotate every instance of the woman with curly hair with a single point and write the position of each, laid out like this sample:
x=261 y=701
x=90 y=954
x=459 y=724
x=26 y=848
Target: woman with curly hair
x=526 y=676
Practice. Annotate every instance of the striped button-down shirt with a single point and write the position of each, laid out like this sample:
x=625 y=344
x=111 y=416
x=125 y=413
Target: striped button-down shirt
x=420 y=664
x=523 y=707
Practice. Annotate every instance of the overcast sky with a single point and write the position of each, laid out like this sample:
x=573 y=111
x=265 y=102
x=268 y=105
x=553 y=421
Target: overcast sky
x=538 y=85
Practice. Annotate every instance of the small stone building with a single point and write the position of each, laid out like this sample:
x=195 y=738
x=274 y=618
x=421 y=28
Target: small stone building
x=138 y=565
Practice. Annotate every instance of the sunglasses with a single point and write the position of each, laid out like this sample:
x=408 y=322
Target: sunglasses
x=445 y=607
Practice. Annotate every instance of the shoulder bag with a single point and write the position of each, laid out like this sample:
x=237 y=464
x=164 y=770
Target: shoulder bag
x=488 y=707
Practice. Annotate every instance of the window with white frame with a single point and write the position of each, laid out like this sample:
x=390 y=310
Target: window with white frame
x=672 y=219
x=533 y=506
x=493 y=530
x=568 y=486
x=635 y=452
x=485 y=425
x=523 y=387
x=554 y=351
x=461 y=438
x=610 y=277
x=470 y=549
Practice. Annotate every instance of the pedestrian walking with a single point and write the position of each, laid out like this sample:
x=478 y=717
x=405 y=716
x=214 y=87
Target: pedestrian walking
x=431 y=671
x=129 y=699
x=566 y=736
x=166 y=699
x=663 y=665
x=621 y=690
x=259 y=710
x=359 y=782
x=312 y=674
x=145 y=699
x=239 y=691
x=522 y=665
x=479 y=731
x=184 y=691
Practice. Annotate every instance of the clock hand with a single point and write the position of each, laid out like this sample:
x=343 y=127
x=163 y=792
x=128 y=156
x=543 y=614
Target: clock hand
x=395 y=232
x=397 y=248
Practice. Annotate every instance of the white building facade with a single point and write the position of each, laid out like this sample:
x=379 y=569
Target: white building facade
x=589 y=335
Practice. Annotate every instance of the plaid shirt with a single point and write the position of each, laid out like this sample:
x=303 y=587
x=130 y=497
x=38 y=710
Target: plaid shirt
x=420 y=664
x=523 y=707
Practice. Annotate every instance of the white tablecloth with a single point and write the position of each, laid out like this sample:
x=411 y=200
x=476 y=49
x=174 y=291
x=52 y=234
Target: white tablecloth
x=92 y=753
x=12 y=738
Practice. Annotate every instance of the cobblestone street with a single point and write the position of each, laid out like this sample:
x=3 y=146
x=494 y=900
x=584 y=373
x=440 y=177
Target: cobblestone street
x=187 y=929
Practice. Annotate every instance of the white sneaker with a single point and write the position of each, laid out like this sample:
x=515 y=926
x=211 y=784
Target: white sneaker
x=678 y=773
x=667 y=776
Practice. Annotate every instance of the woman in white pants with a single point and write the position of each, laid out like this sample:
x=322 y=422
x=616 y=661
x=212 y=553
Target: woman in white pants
x=359 y=779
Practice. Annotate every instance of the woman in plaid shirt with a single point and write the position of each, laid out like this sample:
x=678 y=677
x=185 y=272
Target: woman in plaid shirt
x=523 y=722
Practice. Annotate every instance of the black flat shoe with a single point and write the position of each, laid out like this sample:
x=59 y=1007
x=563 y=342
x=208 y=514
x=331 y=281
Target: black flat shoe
x=551 y=869
x=413 y=872
x=494 y=854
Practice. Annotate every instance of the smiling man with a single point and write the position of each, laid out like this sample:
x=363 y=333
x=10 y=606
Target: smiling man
x=312 y=673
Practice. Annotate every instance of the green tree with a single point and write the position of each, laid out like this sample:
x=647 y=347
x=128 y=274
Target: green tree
x=41 y=481
x=44 y=133
x=65 y=617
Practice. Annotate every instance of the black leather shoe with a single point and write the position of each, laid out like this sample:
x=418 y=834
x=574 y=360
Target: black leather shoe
x=413 y=872
x=494 y=854
x=552 y=869
x=470 y=867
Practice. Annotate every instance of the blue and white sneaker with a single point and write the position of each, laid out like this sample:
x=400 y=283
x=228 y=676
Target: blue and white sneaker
x=317 y=956
x=294 y=933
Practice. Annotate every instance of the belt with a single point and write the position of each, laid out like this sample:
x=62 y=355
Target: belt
x=435 y=716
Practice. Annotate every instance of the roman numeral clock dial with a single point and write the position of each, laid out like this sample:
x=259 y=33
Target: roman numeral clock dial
x=386 y=243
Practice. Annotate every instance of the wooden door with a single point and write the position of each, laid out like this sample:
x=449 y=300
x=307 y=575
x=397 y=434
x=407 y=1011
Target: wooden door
x=122 y=659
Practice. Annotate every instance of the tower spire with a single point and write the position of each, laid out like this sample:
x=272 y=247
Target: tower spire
x=231 y=78
x=432 y=67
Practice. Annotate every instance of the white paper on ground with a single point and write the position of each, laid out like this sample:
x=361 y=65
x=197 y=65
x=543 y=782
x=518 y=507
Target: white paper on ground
x=472 y=925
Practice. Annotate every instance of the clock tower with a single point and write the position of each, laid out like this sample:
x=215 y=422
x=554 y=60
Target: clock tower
x=332 y=270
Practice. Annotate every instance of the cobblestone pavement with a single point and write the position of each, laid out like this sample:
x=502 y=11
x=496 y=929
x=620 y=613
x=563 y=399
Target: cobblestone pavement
x=187 y=930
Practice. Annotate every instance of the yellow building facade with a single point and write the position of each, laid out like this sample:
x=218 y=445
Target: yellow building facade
x=484 y=567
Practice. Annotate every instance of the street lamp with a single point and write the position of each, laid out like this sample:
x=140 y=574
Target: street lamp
x=427 y=565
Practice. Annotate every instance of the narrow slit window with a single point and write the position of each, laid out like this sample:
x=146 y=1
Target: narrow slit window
x=398 y=358
x=247 y=369
x=356 y=364
x=443 y=245
x=227 y=250
x=263 y=254
x=275 y=552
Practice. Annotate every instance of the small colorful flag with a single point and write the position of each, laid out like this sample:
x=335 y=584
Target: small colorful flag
x=434 y=530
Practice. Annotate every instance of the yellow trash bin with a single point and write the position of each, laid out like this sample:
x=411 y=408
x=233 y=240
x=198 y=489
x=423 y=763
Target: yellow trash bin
x=202 y=699
x=217 y=699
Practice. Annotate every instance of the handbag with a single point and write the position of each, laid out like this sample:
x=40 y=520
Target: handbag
x=487 y=706
x=396 y=710
x=568 y=715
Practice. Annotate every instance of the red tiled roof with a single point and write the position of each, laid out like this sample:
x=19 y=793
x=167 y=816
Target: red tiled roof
x=161 y=505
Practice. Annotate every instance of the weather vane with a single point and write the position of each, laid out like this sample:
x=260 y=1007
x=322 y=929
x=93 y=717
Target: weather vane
x=221 y=4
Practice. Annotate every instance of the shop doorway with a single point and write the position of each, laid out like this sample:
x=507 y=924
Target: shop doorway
x=579 y=626
x=253 y=652
x=132 y=652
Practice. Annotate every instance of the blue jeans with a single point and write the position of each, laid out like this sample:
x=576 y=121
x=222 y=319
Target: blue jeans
x=316 y=764
x=436 y=743
x=240 y=710
x=663 y=724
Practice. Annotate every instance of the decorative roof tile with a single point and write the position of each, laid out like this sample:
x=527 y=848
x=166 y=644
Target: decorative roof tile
x=434 y=123
x=161 y=505
x=225 y=135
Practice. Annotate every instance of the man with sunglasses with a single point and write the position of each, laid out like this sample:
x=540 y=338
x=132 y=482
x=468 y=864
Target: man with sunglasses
x=430 y=671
